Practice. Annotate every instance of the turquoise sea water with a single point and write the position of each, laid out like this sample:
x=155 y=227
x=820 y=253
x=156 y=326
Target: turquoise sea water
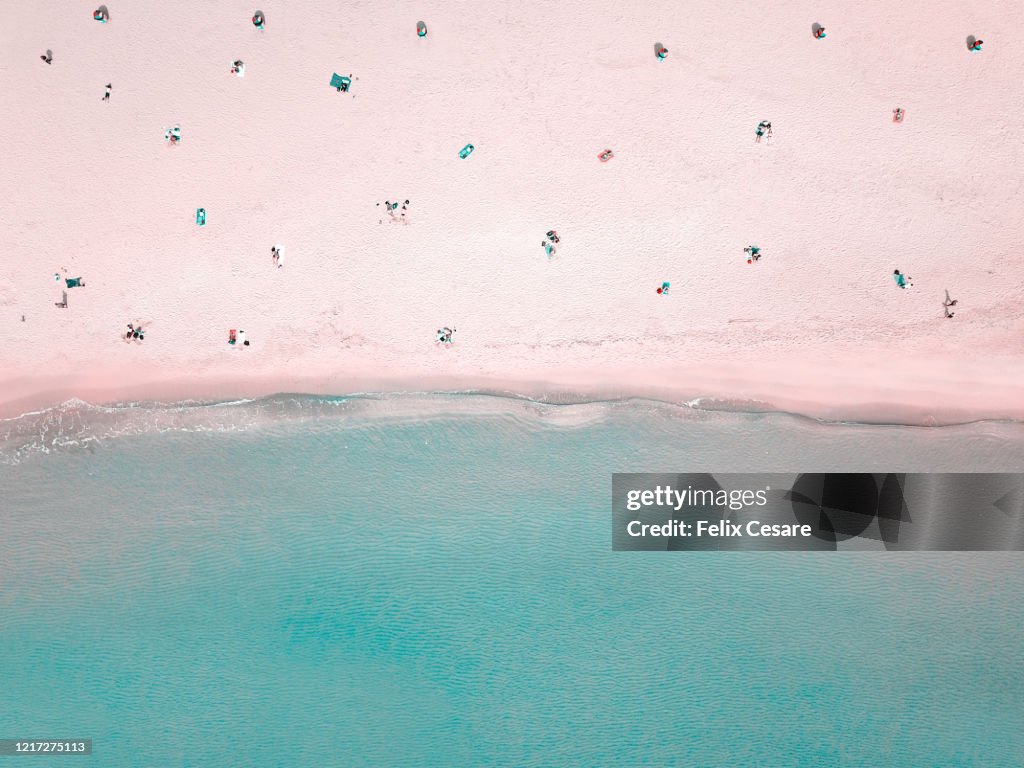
x=428 y=581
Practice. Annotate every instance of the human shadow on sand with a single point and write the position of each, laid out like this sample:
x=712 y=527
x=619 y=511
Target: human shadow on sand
x=816 y=29
x=971 y=40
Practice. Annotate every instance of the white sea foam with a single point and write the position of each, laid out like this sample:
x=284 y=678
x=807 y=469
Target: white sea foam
x=77 y=425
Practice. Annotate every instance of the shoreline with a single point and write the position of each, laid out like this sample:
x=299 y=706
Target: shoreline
x=722 y=389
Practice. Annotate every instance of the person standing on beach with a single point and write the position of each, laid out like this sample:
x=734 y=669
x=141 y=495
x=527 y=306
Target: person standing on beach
x=257 y=20
x=106 y=96
x=754 y=253
x=901 y=280
x=764 y=128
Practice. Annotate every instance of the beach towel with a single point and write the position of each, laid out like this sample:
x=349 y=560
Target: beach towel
x=466 y=151
x=339 y=82
x=74 y=282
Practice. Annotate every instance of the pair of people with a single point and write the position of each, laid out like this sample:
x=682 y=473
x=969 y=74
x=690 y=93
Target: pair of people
x=173 y=134
x=392 y=207
x=764 y=128
x=238 y=68
x=134 y=333
x=664 y=288
x=444 y=335
x=753 y=253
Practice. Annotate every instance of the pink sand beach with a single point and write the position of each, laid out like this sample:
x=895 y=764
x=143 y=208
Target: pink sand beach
x=838 y=198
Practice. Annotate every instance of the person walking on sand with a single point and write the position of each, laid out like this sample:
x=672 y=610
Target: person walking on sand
x=277 y=253
x=106 y=96
x=764 y=128
x=901 y=280
x=947 y=303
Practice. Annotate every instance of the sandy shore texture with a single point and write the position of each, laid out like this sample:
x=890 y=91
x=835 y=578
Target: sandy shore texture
x=840 y=197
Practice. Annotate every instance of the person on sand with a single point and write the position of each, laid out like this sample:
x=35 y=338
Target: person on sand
x=444 y=335
x=238 y=68
x=277 y=253
x=947 y=303
x=100 y=14
x=754 y=253
x=106 y=96
x=819 y=33
x=47 y=57
x=258 y=21
x=764 y=128
x=977 y=45
x=901 y=280
x=134 y=333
